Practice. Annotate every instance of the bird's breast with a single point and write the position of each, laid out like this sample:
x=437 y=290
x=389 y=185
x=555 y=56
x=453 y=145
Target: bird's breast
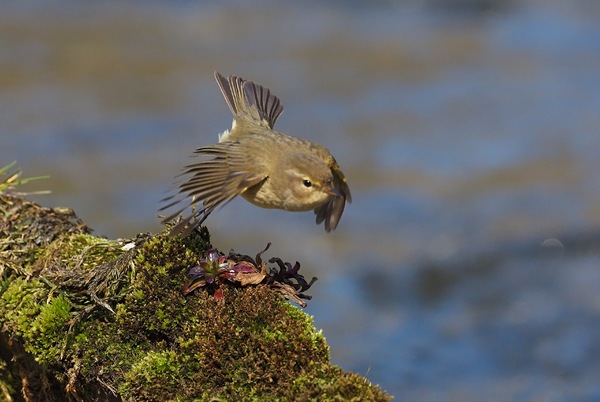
x=263 y=195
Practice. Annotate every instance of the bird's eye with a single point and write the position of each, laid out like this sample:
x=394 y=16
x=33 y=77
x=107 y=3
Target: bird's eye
x=307 y=183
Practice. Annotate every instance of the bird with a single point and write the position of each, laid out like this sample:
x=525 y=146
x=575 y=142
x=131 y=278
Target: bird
x=268 y=168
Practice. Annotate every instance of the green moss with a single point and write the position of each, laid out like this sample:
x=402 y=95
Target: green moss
x=145 y=341
x=329 y=383
x=153 y=374
x=43 y=322
x=21 y=303
x=48 y=332
x=78 y=251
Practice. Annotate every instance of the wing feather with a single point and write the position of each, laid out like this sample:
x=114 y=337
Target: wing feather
x=331 y=211
x=249 y=103
x=213 y=183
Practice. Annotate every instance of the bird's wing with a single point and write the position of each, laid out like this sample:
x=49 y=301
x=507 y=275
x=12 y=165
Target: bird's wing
x=249 y=103
x=212 y=182
x=331 y=211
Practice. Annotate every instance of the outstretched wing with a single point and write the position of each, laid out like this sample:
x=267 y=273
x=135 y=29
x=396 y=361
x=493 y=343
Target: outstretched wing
x=249 y=103
x=212 y=182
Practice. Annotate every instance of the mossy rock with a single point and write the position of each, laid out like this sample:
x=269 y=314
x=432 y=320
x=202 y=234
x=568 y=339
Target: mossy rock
x=89 y=319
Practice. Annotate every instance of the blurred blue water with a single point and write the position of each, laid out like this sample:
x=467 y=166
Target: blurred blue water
x=468 y=134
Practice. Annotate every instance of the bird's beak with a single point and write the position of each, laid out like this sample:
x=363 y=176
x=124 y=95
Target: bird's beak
x=333 y=191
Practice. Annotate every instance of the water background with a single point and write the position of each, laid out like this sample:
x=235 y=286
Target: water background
x=469 y=132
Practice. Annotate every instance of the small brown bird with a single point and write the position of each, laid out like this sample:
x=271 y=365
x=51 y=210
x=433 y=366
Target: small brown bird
x=268 y=168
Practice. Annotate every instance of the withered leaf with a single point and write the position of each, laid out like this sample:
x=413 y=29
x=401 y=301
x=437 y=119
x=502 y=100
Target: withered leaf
x=250 y=278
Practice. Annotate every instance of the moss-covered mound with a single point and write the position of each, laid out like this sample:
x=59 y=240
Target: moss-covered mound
x=84 y=318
